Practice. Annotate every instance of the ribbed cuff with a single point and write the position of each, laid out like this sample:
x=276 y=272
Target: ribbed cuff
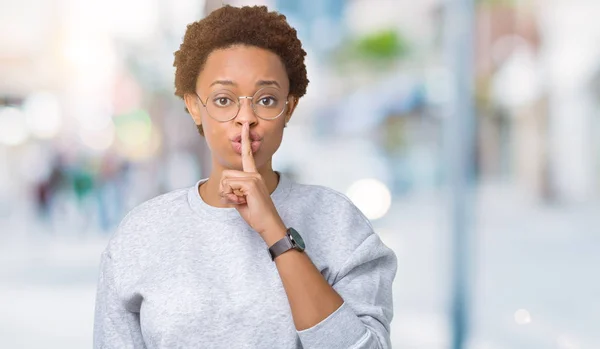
x=341 y=329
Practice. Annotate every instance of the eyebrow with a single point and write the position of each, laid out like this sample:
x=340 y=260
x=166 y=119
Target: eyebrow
x=267 y=83
x=258 y=83
x=223 y=82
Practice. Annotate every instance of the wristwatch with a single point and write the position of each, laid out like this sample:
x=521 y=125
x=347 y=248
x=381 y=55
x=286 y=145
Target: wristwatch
x=291 y=240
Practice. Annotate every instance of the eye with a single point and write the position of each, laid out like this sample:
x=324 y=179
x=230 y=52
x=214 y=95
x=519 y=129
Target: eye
x=267 y=101
x=222 y=101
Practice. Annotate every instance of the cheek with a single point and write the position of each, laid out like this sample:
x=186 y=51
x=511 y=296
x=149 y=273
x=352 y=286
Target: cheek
x=215 y=138
x=275 y=139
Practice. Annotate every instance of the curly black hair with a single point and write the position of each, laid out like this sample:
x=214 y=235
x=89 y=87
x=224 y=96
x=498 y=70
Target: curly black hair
x=248 y=25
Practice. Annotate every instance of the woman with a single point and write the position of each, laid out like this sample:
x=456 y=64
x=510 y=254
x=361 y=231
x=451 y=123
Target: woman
x=246 y=258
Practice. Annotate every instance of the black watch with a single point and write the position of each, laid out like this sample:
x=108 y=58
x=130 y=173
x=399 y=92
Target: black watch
x=291 y=240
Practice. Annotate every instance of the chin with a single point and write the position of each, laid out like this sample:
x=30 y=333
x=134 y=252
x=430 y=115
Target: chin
x=233 y=161
x=236 y=164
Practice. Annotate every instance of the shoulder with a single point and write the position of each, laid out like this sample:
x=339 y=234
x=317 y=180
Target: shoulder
x=140 y=223
x=156 y=209
x=320 y=193
x=332 y=214
x=327 y=201
x=334 y=227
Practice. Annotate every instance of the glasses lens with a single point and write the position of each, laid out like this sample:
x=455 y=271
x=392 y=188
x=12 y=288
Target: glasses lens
x=268 y=103
x=222 y=105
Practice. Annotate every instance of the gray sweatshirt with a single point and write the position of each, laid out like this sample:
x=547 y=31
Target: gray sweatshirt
x=179 y=273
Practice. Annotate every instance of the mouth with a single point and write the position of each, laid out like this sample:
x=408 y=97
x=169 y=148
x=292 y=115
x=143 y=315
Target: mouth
x=237 y=146
x=253 y=137
x=255 y=142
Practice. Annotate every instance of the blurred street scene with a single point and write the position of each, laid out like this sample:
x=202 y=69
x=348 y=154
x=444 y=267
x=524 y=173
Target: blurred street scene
x=90 y=128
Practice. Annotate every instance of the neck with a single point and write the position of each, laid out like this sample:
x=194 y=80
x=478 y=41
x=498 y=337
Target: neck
x=209 y=190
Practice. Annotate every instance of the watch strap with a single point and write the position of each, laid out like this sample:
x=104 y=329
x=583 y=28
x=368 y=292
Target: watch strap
x=281 y=246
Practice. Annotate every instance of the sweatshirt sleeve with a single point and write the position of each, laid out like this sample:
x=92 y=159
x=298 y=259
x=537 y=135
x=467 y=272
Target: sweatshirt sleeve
x=114 y=325
x=365 y=284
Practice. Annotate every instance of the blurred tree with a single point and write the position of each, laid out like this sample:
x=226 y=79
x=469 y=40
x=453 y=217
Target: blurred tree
x=378 y=50
x=384 y=45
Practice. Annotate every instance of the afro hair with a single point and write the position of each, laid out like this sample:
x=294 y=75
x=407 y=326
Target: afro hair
x=229 y=26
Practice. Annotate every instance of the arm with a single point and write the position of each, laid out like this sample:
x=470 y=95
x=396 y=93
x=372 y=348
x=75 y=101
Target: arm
x=353 y=313
x=114 y=326
x=356 y=312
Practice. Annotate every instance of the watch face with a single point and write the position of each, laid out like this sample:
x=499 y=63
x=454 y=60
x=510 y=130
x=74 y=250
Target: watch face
x=297 y=238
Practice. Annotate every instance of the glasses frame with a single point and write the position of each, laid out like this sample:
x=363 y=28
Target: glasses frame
x=239 y=105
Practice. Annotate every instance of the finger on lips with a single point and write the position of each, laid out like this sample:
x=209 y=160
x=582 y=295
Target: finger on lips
x=236 y=195
x=248 y=164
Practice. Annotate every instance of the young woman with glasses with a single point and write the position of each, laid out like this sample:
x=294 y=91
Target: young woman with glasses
x=246 y=258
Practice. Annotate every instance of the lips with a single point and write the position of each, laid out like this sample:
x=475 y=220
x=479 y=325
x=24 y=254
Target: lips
x=255 y=142
x=237 y=146
x=253 y=137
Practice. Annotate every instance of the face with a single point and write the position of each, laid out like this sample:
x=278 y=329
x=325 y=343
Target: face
x=241 y=71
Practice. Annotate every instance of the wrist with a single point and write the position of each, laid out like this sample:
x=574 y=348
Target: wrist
x=274 y=234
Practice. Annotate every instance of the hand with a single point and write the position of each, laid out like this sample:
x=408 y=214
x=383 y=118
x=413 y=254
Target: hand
x=248 y=192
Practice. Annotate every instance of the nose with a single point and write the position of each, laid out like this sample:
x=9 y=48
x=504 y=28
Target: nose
x=246 y=113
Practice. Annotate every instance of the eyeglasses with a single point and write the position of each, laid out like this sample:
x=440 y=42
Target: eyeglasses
x=268 y=103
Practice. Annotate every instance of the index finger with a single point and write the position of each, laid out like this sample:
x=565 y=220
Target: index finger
x=248 y=164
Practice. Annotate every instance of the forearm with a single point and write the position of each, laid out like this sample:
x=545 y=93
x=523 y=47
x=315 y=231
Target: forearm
x=311 y=297
x=323 y=319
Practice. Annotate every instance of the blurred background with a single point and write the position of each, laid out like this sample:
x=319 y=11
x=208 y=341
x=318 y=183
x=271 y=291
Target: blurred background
x=90 y=128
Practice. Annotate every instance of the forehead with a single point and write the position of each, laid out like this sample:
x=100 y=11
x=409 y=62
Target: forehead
x=244 y=66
